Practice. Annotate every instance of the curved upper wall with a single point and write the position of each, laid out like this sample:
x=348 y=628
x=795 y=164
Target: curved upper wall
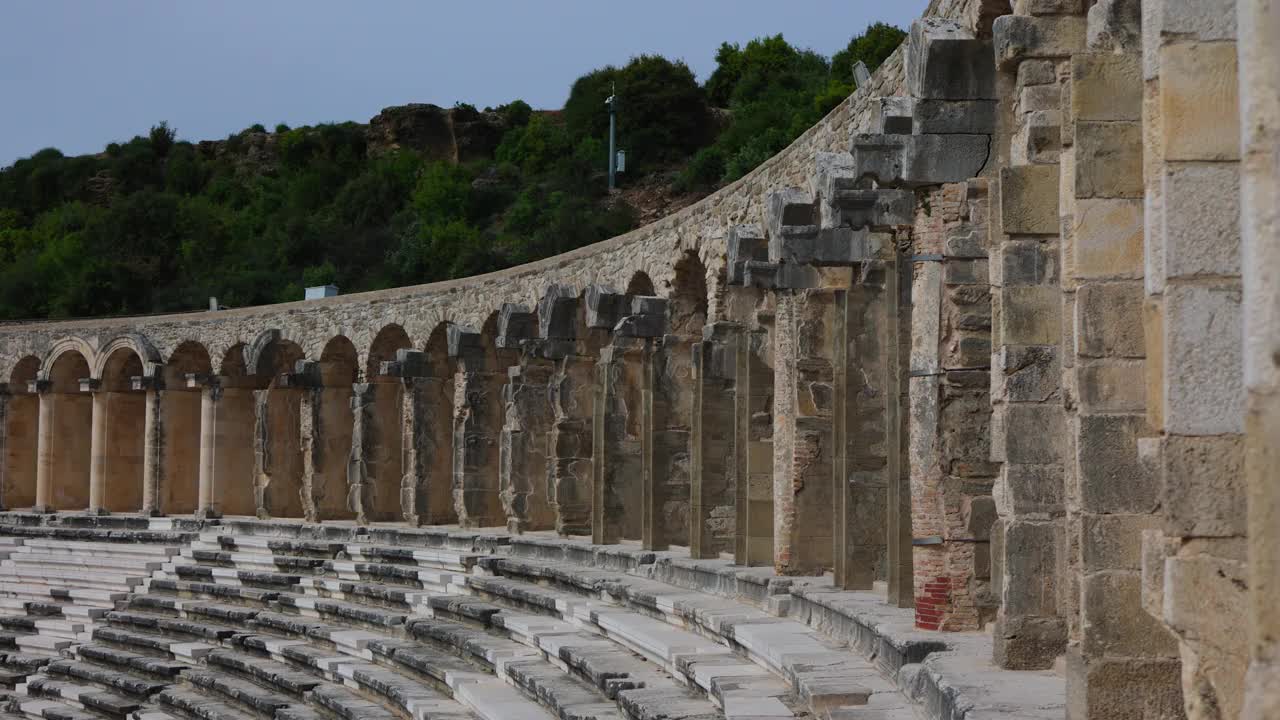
x=654 y=249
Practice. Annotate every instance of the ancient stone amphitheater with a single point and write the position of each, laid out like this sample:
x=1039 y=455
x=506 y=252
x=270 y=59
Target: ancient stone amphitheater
x=965 y=406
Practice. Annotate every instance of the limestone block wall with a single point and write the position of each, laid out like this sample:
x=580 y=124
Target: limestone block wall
x=997 y=338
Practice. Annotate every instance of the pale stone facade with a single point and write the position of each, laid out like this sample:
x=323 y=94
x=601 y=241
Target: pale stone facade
x=1000 y=338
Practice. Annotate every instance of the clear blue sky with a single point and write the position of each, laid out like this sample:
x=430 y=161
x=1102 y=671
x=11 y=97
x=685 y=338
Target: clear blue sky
x=77 y=75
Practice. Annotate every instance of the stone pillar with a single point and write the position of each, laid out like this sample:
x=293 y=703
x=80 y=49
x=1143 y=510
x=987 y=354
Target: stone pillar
x=1029 y=423
x=865 y=379
x=209 y=504
x=524 y=462
x=1193 y=573
x=4 y=446
x=153 y=448
x=951 y=475
x=622 y=497
x=262 y=455
x=570 y=443
x=98 y=450
x=360 y=479
x=426 y=496
x=715 y=462
x=477 y=428
x=1259 y=25
x=44 y=450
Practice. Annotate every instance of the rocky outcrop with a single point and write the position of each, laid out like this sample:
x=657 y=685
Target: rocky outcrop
x=458 y=134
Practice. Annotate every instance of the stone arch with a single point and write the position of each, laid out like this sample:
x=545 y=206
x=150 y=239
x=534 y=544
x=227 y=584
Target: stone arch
x=234 y=361
x=384 y=346
x=640 y=284
x=328 y=429
x=25 y=372
x=66 y=426
x=21 y=424
x=68 y=348
x=146 y=353
x=181 y=427
x=687 y=297
x=983 y=15
x=272 y=362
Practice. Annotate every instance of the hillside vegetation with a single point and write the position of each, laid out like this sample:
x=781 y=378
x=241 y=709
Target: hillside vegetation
x=156 y=224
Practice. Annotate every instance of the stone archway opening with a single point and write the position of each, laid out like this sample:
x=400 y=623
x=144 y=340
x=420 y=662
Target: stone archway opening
x=119 y=425
x=277 y=430
x=66 y=420
x=382 y=404
x=673 y=394
x=21 y=424
x=327 y=429
x=227 y=432
x=640 y=284
x=180 y=407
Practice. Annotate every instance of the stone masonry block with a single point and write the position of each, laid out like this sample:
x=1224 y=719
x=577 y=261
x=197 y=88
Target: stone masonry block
x=1023 y=37
x=1155 y=548
x=1116 y=26
x=558 y=313
x=1036 y=72
x=945 y=61
x=914 y=160
x=1037 y=433
x=954 y=116
x=839 y=246
x=1203 y=384
x=1114 y=622
x=1034 y=490
x=859 y=208
x=1028 y=373
x=1029 y=199
x=1037 y=139
x=1028 y=262
x=1046 y=7
x=1199 y=101
x=604 y=306
x=790 y=207
x=1204 y=486
x=1031 y=315
x=745 y=242
x=1112 y=386
x=1106 y=87
x=1112 y=478
x=1203 y=20
x=1108 y=320
x=1103 y=688
x=1108 y=236
x=926 y=321
x=892 y=115
x=1108 y=160
x=1201 y=219
x=515 y=325
x=1030 y=557
x=1114 y=542
x=1037 y=98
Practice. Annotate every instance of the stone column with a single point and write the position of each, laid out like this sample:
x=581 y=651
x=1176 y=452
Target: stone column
x=621 y=463
x=44 y=449
x=524 y=462
x=153 y=449
x=4 y=446
x=569 y=443
x=670 y=396
x=477 y=427
x=1194 y=574
x=209 y=503
x=1029 y=422
x=426 y=496
x=360 y=487
x=1259 y=25
x=98 y=448
x=715 y=462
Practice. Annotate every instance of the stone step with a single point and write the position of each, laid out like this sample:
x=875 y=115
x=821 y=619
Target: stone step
x=239 y=693
x=435 y=558
x=86 y=697
x=108 y=549
x=128 y=661
x=222 y=592
x=44 y=591
x=199 y=706
x=397 y=597
x=106 y=676
x=267 y=545
x=136 y=641
x=342 y=611
x=42 y=644
x=143 y=564
x=203 y=631
x=42 y=709
x=26 y=583
x=391 y=573
x=231 y=576
x=51 y=627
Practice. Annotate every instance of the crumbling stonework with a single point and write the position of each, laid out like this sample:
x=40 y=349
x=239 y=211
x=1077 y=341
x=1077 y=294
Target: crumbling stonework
x=996 y=340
